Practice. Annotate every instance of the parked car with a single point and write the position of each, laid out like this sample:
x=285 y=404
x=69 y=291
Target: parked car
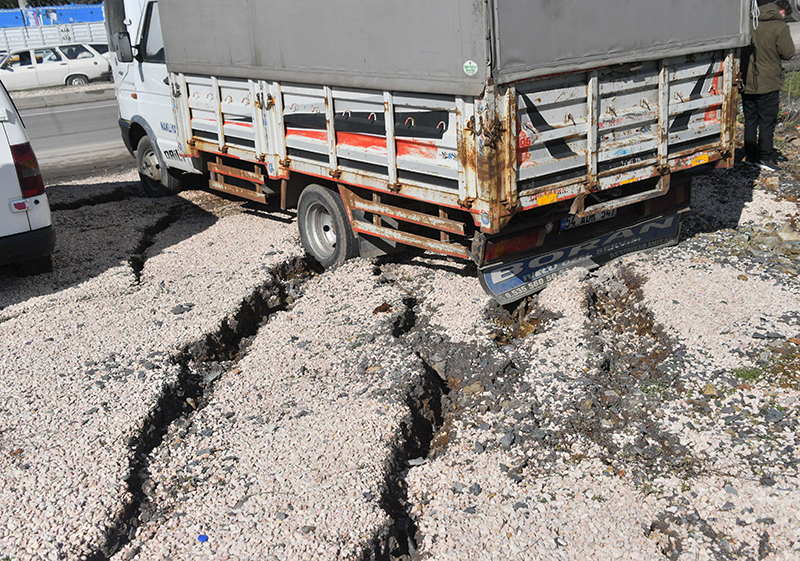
x=39 y=67
x=102 y=48
x=26 y=232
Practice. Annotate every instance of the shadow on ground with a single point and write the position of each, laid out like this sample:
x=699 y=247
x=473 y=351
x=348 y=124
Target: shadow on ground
x=105 y=229
x=718 y=199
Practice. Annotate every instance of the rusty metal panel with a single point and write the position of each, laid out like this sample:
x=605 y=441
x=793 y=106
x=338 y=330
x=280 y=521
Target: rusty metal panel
x=465 y=120
x=220 y=120
x=730 y=106
x=646 y=113
x=661 y=188
x=351 y=202
x=391 y=145
x=238 y=191
x=412 y=240
x=253 y=177
x=406 y=215
x=540 y=142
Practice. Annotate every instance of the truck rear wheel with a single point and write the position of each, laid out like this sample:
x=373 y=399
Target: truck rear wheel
x=156 y=181
x=324 y=227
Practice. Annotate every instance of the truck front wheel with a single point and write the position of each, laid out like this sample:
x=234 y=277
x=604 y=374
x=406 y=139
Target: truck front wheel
x=157 y=182
x=324 y=227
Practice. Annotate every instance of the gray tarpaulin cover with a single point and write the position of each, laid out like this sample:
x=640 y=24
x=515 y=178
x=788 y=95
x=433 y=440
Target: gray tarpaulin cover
x=435 y=46
x=536 y=37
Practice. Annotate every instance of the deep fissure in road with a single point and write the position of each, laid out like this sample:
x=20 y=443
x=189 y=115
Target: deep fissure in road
x=424 y=402
x=190 y=391
x=147 y=239
x=436 y=403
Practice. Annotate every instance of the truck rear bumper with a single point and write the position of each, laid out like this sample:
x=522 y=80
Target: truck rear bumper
x=517 y=277
x=27 y=245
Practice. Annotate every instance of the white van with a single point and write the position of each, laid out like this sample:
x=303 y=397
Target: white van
x=26 y=232
x=41 y=67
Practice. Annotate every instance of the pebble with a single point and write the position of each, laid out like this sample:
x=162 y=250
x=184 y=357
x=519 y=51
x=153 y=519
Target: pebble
x=507 y=440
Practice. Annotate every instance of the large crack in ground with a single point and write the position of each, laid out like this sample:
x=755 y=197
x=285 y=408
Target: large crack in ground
x=449 y=368
x=424 y=402
x=201 y=365
x=138 y=256
x=632 y=374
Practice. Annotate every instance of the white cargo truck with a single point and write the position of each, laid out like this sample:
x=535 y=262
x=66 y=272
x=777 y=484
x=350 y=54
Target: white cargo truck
x=528 y=136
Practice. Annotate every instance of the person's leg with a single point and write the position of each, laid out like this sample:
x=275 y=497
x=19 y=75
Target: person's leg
x=768 y=112
x=751 y=121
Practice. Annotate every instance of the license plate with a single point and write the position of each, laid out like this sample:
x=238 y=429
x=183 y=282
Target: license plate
x=572 y=221
x=516 y=278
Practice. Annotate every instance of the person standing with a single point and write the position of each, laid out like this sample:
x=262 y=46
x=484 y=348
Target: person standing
x=763 y=77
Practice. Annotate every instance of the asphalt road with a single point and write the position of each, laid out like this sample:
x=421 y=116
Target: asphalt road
x=77 y=141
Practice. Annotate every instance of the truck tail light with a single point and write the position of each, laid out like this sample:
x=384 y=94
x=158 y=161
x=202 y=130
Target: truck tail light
x=515 y=244
x=30 y=178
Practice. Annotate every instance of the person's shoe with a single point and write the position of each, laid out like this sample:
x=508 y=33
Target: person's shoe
x=769 y=166
x=751 y=163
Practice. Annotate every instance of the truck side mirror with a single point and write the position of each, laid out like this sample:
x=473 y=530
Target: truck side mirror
x=124 y=48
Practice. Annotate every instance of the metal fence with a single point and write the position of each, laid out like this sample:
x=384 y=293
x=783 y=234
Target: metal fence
x=37 y=36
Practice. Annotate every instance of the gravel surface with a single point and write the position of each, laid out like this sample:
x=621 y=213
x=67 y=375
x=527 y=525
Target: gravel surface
x=41 y=92
x=187 y=385
x=88 y=352
x=654 y=414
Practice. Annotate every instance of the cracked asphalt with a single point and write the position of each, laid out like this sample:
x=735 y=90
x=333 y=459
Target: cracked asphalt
x=186 y=384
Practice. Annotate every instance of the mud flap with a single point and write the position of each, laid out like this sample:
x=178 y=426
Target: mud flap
x=512 y=280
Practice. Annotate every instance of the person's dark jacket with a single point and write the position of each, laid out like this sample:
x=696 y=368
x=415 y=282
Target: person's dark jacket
x=772 y=42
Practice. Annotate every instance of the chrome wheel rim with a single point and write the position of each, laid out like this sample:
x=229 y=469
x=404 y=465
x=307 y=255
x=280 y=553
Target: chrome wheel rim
x=321 y=232
x=150 y=168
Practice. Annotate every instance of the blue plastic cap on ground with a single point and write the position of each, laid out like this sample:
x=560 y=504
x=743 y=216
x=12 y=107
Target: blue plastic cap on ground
x=202 y=538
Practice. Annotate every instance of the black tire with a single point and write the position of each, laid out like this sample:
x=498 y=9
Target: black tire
x=156 y=181
x=36 y=266
x=77 y=80
x=324 y=227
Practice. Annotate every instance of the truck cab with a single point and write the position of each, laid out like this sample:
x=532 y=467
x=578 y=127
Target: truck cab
x=143 y=92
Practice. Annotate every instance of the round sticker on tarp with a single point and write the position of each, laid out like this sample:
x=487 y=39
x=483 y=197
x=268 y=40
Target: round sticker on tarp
x=470 y=68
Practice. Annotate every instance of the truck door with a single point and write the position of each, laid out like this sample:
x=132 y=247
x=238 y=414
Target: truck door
x=153 y=91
